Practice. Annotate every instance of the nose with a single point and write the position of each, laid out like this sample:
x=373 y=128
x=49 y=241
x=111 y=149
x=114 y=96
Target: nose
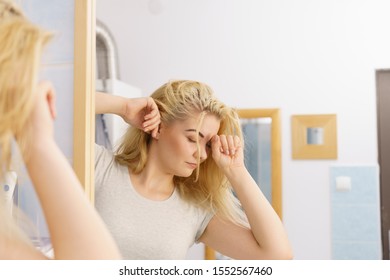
x=203 y=154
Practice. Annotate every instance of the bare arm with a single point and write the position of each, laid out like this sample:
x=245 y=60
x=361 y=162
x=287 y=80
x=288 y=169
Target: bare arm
x=15 y=248
x=76 y=230
x=140 y=112
x=266 y=238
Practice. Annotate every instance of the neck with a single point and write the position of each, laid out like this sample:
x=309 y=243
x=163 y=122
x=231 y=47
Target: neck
x=153 y=182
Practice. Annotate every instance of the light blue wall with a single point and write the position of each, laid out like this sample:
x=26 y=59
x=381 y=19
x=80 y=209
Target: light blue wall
x=355 y=217
x=56 y=16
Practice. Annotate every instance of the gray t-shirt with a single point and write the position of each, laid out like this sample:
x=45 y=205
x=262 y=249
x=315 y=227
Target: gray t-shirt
x=144 y=229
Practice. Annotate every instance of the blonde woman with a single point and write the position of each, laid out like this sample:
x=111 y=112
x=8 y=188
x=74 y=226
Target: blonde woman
x=162 y=191
x=26 y=114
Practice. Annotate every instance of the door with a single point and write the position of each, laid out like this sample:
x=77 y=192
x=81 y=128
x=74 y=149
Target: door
x=383 y=114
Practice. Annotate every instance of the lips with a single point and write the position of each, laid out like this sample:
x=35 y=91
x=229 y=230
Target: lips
x=192 y=165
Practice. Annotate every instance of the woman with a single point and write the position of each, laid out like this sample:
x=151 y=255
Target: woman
x=162 y=191
x=26 y=115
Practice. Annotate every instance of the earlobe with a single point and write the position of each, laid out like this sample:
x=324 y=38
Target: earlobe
x=157 y=136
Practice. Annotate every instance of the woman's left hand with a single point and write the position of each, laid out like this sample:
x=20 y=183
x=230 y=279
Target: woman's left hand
x=227 y=151
x=44 y=112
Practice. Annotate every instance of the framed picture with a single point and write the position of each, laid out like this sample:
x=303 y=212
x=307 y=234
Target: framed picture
x=314 y=136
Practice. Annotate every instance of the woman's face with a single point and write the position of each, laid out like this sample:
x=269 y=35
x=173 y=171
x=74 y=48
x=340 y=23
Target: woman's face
x=177 y=144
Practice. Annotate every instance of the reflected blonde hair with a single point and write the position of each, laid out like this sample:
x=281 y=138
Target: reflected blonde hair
x=21 y=44
x=207 y=187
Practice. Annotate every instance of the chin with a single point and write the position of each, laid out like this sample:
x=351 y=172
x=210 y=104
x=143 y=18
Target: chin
x=185 y=174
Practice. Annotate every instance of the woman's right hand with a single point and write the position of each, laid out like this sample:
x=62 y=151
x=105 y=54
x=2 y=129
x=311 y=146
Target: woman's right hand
x=142 y=113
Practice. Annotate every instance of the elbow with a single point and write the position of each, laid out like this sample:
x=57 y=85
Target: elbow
x=275 y=254
x=283 y=254
x=287 y=255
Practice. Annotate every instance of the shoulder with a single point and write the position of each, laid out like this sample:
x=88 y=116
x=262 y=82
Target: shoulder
x=106 y=168
x=101 y=152
x=103 y=157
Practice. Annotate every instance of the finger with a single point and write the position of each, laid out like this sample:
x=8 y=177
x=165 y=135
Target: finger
x=154 y=132
x=215 y=144
x=152 y=108
x=237 y=143
x=154 y=120
x=51 y=98
x=152 y=114
x=231 y=144
x=151 y=129
x=151 y=124
x=47 y=93
x=224 y=144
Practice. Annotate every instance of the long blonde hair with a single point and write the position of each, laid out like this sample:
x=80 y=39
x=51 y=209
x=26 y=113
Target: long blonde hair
x=208 y=187
x=21 y=44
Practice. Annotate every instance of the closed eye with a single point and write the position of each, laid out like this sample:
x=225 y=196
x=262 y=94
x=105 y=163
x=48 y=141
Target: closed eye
x=191 y=140
x=208 y=144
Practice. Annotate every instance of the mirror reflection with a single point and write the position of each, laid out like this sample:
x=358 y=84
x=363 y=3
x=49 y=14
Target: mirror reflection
x=305 y=58
x=315 y=136
x=257 y=153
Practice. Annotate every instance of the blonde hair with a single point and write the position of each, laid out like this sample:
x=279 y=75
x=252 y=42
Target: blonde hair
x=21 y=44
x=208 y=187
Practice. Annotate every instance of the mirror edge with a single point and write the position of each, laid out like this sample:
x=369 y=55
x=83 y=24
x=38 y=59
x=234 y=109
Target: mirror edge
x=84 y=94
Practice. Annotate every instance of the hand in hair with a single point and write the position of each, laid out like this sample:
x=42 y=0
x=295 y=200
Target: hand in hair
x=142 y=113
x=44 y=111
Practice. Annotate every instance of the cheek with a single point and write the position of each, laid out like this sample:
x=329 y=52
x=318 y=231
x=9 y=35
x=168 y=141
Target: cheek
x=172 y=146
x=181 y=146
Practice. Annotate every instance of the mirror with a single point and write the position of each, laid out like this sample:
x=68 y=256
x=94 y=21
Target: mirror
x=301 y=58
x=262 y=153
x=267 y=143
x=315 y=136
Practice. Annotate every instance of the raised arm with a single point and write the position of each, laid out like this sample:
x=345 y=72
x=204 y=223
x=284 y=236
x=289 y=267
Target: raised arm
x=140 y=112
x=266 y=238
x=76 y=230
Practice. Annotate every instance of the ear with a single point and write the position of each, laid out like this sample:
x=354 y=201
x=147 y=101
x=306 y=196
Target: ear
x=161 y=127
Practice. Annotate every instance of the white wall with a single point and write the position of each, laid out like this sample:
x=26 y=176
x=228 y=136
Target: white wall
x=302 y=56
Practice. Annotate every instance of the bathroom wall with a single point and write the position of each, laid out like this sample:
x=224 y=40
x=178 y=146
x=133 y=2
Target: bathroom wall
x=355 y=227
x=56 y=16
x=302 y=56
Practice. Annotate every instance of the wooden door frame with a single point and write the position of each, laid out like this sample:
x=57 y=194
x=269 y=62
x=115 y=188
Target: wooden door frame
x=383 y=101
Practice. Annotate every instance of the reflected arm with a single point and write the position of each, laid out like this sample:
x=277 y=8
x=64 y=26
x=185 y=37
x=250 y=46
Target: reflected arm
x=110 y=104
x=266 y=237
x=141 y=112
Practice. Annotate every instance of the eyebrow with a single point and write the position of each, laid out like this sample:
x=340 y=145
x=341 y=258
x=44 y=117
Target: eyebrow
x=194 y=130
